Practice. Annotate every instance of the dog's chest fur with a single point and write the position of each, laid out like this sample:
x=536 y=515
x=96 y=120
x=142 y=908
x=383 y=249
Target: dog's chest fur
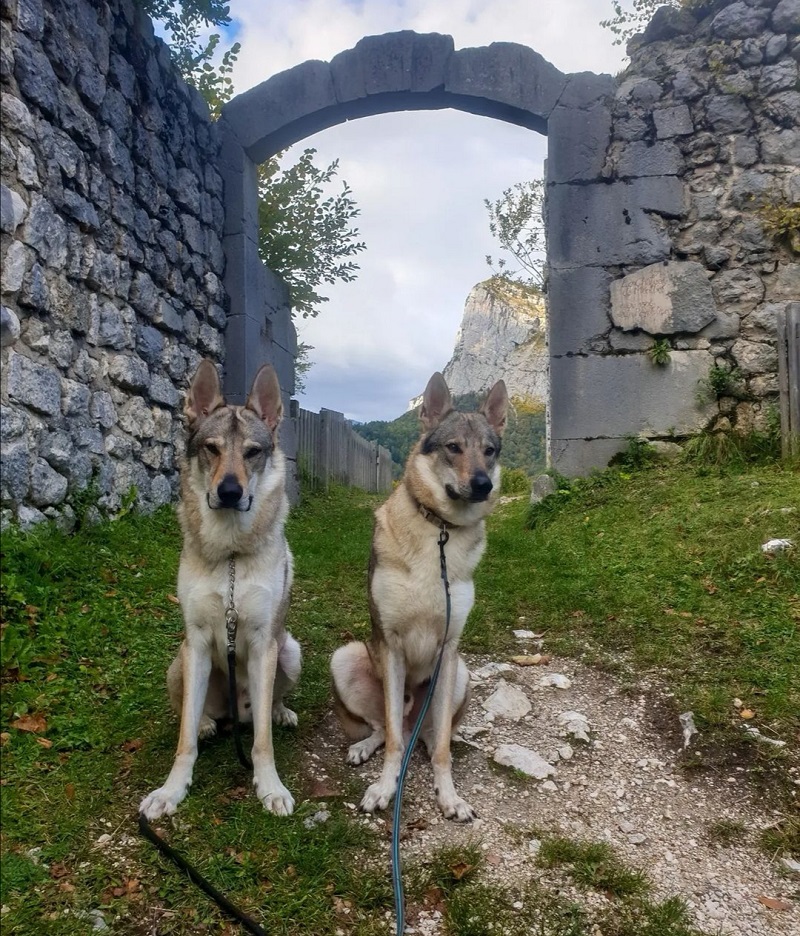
x=263 y=573
x=406 y=589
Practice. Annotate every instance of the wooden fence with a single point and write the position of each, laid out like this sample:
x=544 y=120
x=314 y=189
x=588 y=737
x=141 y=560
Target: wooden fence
x=789 y=377
x=329 y=450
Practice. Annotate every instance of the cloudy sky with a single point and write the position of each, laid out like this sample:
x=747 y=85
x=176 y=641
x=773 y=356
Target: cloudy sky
x=419 y=179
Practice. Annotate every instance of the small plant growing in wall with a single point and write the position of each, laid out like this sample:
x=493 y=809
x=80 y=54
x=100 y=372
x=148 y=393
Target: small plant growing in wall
x=659 y=354
x=782 y=223
x=721 y=381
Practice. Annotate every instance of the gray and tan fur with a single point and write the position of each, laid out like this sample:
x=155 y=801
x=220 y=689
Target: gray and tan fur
x=451 y=477
x=233 y=502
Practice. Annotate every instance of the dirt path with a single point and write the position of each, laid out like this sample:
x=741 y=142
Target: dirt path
x=624 y=787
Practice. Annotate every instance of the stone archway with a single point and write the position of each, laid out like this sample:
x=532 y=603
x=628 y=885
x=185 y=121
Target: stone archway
x=505 y=81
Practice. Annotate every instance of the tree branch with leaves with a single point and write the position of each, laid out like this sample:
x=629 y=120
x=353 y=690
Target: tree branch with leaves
x=516 y=221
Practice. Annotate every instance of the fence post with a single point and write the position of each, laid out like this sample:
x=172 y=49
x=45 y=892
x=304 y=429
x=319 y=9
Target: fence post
x=789 y=377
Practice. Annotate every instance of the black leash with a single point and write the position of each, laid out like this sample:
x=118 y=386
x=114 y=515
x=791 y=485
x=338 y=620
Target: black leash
x=231 y=622
x=397 y=870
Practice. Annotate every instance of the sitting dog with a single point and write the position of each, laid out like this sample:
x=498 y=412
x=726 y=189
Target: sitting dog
x=449 y=482
x=233 y=504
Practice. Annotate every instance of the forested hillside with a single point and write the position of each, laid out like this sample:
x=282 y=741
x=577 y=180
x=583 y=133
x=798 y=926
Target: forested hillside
x=523 y=442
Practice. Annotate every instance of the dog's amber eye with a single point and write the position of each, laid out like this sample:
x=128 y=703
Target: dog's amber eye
x=252 y=452
x=212 y=449
x=488 y=452
x=453 y=447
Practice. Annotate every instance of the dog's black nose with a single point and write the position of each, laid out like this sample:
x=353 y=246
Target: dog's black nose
x=481 y=485
x=229 y=491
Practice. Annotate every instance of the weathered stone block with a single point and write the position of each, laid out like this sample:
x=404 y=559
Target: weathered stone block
x=34 y=385
x=641 y=159
x=289 y=97
x=578 y=306
x=663 y=299
x=786 y=17
x=102 y=409
x=627 y=395
x=609 y=224
x=9 y=327
x=673 y=121
x=737 y=290
x=130 y=373
x=727 y=113
x=577 y=142
x=509 y=73
x=12 y=209
x=755 y=357
x=74 y=398
x=15 y=472
x=739 y=21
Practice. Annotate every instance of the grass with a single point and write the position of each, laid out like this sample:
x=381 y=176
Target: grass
x=593 y=864
x=659 y=568
x=660 y=571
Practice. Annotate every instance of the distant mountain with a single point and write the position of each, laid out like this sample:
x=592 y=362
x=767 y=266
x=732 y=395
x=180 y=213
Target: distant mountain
x=502 y=335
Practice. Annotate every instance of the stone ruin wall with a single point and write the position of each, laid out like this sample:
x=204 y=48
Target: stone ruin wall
x=715 y=101
x=112 y=256
x=112 y=242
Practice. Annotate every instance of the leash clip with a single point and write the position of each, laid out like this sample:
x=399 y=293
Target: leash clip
x=231 y=622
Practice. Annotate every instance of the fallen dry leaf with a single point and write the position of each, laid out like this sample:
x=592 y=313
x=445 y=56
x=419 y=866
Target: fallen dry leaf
x=493 y=859
x=5 y=736
x=174 y=599
x=418 y=825
x=130 y=746
x=460 y=869
x=34 y=723
x=747 y=714
x=44 y=742
x=69 y=791
x=775 y=903
x=58 y=871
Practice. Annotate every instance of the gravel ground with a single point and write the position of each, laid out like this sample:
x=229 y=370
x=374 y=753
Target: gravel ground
x=624 y=786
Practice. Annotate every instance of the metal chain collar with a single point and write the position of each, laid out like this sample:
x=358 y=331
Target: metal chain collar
x=231 y=614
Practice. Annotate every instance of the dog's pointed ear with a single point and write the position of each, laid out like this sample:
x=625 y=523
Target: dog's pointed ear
x=265 y=397
x=495 y=407
x=436 y=402
x=205 y=393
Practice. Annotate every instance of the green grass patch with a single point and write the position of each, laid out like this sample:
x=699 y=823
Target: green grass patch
x=593 y=864
x=661 y=570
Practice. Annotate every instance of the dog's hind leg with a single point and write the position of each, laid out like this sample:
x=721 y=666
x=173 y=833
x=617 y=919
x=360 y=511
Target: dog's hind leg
x=286 y=676
x=358 y=699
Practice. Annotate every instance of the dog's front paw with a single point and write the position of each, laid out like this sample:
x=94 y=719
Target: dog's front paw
x=275 y=798
x=284 y=716
x=457 y=809
x=378 y=796
x=162 y=802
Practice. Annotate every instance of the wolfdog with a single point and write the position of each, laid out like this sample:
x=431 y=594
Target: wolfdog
x=233 y=505
x=449 y=484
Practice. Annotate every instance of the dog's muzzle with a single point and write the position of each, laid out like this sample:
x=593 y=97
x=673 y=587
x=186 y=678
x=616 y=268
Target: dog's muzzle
x=230 y=496
x=480 y=487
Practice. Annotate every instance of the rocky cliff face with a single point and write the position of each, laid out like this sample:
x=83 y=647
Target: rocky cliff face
x=502 y=335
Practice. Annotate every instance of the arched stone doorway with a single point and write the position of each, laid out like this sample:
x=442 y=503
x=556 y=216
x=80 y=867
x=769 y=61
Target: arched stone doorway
x=505 y=81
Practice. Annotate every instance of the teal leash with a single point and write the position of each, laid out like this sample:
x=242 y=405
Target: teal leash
x=397 y=870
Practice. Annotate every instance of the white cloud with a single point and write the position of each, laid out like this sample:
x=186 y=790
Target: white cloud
x=419 y=178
